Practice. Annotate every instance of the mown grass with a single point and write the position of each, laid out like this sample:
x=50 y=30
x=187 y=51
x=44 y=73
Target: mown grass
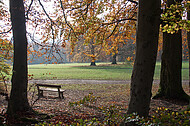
x=81 y=71
x=103 y=71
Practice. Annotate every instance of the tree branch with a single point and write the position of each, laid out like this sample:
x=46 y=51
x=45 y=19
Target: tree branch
x=27 y=12
x=6 y=31
x=113 y=30
x=45 y=11
x=118 y=21
x=66 y=19
x=132 y=1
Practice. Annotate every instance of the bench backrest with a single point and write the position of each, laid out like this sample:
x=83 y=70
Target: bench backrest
x=47 y=85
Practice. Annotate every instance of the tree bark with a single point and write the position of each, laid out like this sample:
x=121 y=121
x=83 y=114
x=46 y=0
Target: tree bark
x=18 y=101
x=171 y=65
x=114 y=61
x=92 y=58
x=145 y=60
x=188 y=39
x=92 y=64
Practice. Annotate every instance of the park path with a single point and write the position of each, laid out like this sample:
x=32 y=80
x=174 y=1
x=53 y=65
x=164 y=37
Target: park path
x=75 y=81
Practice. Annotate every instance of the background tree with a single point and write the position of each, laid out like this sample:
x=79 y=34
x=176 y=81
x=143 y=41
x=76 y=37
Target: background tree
x=146 y=51
x=96 y=21
x=114 y=60
x=18 y=102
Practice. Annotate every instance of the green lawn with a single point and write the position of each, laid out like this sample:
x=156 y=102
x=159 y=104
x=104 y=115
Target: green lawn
x=84 y=71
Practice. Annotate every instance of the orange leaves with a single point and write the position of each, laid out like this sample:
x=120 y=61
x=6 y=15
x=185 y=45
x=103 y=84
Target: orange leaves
x=94 y=24
x=6 y=49
x=63 y=44
x=130 y=58
x=88 y=1
x=93 y=57
x=102 y=24
x=5 y=56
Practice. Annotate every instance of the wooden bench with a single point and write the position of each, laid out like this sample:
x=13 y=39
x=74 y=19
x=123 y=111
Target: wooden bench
x=48 y=87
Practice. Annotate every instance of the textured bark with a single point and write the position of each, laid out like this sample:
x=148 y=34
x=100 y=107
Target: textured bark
x=171 y=65
x=188 y=39
x=114 y=61
x=92 y=64
x=146 y=51
x=92 y=52
x=18 y=102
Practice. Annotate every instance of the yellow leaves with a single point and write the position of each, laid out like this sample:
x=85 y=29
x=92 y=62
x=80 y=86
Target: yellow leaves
x=4 y=68
x=6 y=50
x=172 y=17
x=94 y=21
x=93 y=57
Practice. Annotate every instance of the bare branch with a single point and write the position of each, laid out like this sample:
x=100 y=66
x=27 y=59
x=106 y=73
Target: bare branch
x=132 y=1
x=113 y=31
x=121 y=8
x=27 y=12
x=66 y=19
x=33 y=40
x=45 y=11
x=6 y=31
x=118 y=21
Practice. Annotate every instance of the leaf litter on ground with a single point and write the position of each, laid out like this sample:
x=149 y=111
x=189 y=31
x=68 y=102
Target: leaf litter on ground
x=108 y=94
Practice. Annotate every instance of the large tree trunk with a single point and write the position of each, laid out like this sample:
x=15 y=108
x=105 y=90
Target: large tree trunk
x=18 y=102
x=188 y=39
x=146 y=52
x=171 y=65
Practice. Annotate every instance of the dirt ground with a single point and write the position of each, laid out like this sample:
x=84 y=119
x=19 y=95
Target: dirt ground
x=51 y=104
x=91 y=81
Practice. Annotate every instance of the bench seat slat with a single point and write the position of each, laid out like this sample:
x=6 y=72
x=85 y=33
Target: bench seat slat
x=50 y=89
x=47 y=85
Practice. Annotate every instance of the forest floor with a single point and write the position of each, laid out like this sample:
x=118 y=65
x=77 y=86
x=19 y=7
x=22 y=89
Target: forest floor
x=107 y=93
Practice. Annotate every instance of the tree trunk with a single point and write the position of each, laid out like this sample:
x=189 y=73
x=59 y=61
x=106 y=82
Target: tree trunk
x=114 y=61
x=18 y=98
x=146 y=52
x=92 y=58
x=92 y=64
x=188 y=39
x=171 y=65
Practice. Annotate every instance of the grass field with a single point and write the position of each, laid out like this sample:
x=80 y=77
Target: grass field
x=103 y=71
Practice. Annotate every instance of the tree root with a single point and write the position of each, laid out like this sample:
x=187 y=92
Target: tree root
x=183 y=97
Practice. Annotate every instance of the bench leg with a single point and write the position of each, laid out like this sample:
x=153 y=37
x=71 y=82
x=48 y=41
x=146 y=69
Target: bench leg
x=61 y=95
x=40 y=93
